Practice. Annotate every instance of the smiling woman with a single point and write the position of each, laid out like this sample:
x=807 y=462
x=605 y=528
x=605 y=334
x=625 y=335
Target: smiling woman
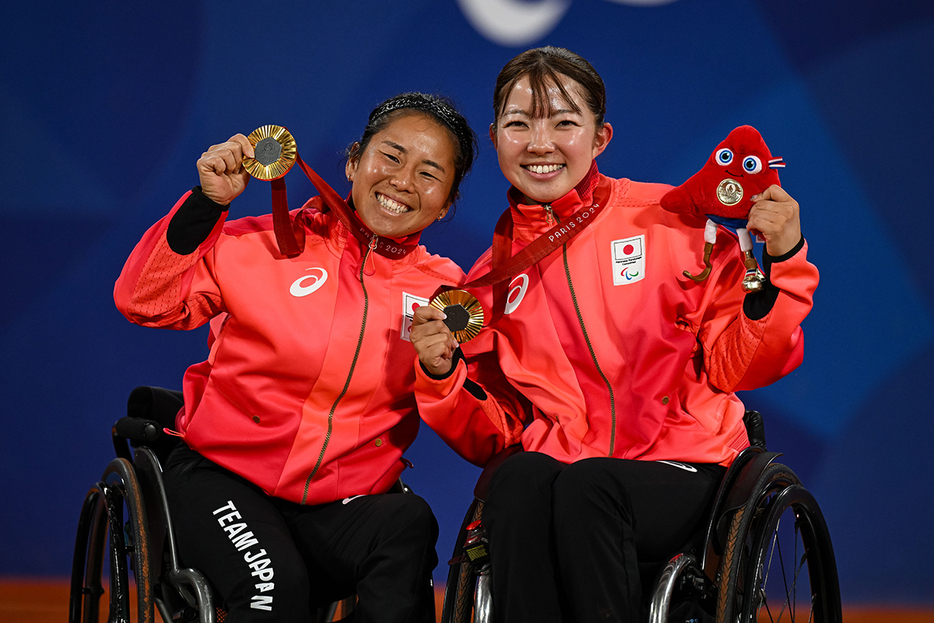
x=403 y=178
x=628 y=427
x=287 y=417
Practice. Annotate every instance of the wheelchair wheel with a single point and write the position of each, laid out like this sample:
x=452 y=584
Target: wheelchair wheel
x=776 y=589
x=129 y=544
x=101 y=527
x=778 y=562
x=467 y=592
x=87 y=565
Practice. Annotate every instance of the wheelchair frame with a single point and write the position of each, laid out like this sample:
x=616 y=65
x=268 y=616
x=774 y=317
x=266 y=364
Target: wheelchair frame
x=725 y=573
x=145 y=541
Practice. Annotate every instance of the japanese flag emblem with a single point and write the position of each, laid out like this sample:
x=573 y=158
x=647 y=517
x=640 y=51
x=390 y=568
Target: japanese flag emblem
x=628 y=260
x=410 y=303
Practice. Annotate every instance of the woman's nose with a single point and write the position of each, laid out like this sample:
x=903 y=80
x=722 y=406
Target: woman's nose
x=540 y=142
x=402 y=178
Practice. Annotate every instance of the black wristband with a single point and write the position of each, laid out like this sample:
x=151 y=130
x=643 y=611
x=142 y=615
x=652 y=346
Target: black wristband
x=458 y=355
x=193 y=222
x=757 y=305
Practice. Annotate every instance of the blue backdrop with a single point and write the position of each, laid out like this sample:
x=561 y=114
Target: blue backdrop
x=105 y=106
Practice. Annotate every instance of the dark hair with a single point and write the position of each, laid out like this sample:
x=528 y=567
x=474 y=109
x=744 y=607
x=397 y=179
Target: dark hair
x=544 y=66
x=436 y=107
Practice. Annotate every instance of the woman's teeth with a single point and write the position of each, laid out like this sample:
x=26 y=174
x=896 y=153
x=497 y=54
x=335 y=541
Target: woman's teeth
x=391 y=205
x=544 y=168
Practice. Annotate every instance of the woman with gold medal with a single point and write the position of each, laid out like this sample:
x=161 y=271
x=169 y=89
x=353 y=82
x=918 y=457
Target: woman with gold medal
x=295 y=425
x=614 y=372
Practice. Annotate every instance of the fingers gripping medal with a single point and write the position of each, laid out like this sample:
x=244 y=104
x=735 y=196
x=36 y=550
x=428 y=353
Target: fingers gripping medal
x=464 y=313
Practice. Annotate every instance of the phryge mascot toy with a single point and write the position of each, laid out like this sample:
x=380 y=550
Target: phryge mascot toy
x=739 y=168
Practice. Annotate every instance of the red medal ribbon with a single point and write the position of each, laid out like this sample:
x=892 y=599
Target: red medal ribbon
x=506 y=266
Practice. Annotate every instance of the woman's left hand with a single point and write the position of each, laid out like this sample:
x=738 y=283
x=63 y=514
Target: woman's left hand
x=774 y=217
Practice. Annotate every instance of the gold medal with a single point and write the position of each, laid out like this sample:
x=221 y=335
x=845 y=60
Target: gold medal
x=729 y=192
x=464 y=313
x=274 y=152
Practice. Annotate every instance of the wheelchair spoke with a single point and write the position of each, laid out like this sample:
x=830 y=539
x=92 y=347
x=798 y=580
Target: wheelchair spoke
x=794 y=588
x=799 y=561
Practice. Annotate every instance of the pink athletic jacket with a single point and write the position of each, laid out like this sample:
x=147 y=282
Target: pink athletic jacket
x=308 y=387
x=607 y=349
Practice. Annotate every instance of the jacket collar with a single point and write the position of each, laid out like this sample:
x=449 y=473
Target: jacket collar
x=339 y=238
x=530 y=220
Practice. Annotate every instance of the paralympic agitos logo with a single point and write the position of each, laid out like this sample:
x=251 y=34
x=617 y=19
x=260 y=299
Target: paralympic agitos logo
x=519 y=22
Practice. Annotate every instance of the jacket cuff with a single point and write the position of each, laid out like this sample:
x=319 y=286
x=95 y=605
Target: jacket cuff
x=458 y=356
x=768 y=260
x=193 y=222
x=757 y=305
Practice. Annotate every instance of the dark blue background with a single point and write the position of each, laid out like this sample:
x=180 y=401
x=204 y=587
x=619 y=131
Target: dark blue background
x=104 y=108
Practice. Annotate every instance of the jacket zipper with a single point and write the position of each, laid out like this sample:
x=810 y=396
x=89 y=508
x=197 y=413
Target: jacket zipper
x=550 y=217
x=593 y=354
x=353 y=365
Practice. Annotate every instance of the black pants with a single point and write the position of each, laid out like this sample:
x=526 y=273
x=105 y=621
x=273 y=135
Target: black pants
x=273 y=560
x=566 y=540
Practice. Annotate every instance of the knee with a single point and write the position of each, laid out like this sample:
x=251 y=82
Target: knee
x=522 y=478
x=588 y=489
x=411 y=515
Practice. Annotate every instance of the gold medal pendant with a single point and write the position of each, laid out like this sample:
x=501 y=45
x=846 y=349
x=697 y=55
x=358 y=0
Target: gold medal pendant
x=274 y=152
x=730 y=192
x=464 y=313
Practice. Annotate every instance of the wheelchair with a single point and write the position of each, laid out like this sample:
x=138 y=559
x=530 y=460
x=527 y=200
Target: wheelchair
x=747 y=565
x=126 y=514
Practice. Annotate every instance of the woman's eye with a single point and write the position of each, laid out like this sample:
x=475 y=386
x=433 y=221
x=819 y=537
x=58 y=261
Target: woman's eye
x=724 y=156
x=390 y=156
x=752 y=164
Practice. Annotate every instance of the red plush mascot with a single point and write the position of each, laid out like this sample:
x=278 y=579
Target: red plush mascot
x=740 y=167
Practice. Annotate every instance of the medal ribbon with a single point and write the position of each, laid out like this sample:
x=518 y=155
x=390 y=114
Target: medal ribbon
x=291 y=239
x=506 y=265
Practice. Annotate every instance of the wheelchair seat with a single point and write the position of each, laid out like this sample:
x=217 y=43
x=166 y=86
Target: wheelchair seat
x=739 y=567
x=126 y=514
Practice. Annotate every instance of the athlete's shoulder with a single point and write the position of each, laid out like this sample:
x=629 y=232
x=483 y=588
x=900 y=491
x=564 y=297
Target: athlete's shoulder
x=248 y=225
x=482 y=266
x=443 y=266
x=640 y=192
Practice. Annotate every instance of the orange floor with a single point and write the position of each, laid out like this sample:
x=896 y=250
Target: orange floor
x=45 y=601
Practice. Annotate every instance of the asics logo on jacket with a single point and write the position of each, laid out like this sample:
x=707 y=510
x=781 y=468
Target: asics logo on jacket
x=303 y=287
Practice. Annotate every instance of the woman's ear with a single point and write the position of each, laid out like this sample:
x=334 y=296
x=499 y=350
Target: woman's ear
x=352 y=161
x=602 y=139
x=493 y=134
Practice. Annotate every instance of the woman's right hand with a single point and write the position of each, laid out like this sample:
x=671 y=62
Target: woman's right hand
x=221 y=170
x=433 y=341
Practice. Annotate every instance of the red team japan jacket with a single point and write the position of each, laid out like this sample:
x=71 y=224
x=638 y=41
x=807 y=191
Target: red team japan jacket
x=607 y=349
x=308 y=387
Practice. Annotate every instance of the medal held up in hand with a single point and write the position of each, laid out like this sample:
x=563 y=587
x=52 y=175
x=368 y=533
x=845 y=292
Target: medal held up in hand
x=464 y=313
x=274 y=152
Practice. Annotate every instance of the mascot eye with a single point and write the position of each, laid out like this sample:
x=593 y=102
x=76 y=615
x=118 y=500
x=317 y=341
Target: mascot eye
x=724 y=156
x=751 y=164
